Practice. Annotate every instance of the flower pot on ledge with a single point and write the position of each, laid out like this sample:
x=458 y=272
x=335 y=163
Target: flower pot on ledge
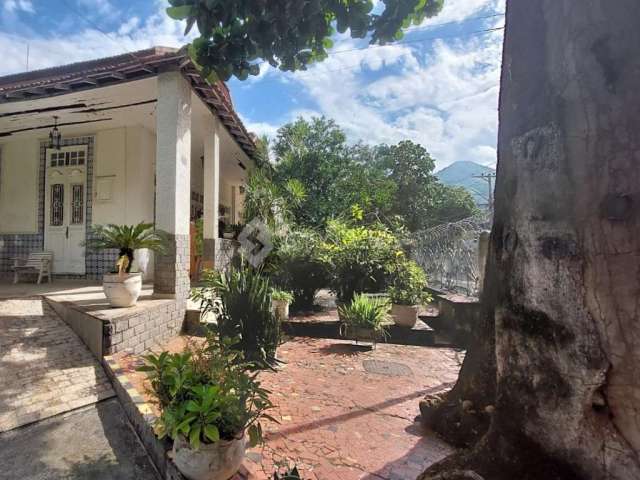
x=212 y=461
x=122 y=290
x=405 y=316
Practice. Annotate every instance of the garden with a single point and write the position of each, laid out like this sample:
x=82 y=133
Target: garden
x=245 y=397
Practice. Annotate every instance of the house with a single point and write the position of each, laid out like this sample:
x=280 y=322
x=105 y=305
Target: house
x=143 y=137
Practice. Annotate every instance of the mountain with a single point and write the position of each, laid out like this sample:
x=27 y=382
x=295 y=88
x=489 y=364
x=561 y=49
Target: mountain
x=462 y=174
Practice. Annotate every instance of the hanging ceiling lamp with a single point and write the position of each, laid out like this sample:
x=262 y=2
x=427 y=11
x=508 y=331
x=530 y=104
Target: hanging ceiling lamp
x=55 y=138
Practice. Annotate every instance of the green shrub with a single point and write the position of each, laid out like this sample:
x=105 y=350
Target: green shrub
x=300 y=267
x=282 y=296
x=408 y=284
x=206 y=393
x=365 y=312
x=241 y=300
x=360 y=258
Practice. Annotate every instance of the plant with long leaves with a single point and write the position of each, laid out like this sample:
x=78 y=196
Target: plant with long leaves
x=126 y=239
x=288 y=34
x=364 y=312
x=207 y=393
x=241 y=300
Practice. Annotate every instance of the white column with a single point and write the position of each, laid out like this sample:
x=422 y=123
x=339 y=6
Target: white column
x=211 y=189
x=173 y=170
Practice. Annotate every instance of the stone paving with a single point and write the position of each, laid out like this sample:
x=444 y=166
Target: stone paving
x=345 y=412
x=45 y=369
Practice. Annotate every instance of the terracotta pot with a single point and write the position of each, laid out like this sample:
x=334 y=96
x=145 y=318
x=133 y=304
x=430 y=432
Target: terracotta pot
x=122 y=290
x=405 y=315
x=212 y=461
x=280 y=309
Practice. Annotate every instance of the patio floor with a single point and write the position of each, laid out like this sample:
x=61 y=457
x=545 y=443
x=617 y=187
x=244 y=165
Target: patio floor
x=44 y=367
x=346 y=412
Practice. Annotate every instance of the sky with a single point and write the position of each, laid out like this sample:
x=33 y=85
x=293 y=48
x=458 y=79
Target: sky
x=438 y=86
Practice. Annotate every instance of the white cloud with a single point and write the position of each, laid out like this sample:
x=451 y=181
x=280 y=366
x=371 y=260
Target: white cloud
x=446 y=100
x=88 y=43
x=101 y=7
x=18 y=5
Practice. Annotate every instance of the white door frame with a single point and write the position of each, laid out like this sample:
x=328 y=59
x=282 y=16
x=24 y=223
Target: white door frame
x=63 y=235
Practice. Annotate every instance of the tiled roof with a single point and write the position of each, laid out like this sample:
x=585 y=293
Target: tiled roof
x=122 y=68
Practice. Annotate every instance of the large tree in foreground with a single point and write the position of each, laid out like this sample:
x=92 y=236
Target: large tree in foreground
x=564 y=270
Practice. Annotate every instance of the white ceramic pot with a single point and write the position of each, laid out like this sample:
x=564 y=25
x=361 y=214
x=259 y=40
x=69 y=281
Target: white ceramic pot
x=405 y=315
x=280 y=309
x=213 y=461
x=122 y=290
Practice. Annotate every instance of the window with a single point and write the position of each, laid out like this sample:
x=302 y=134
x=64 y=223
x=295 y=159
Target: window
x=77 y=203
x=57 y=204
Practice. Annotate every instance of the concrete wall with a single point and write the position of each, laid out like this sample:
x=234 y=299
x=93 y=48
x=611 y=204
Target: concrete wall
x=19 y=167
x=124 y=176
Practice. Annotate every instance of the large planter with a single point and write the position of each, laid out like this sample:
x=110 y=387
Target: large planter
x=405 y=315
x=360 y=334
x=122 y=290
x=280 y=309
x=213 y=461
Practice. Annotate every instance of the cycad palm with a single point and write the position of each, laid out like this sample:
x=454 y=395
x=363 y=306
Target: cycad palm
x=126 y=239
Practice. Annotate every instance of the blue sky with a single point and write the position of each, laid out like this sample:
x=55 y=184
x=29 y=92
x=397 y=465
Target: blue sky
x=438 y=86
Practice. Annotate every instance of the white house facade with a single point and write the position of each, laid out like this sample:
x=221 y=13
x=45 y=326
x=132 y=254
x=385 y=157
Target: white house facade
x=143 y=138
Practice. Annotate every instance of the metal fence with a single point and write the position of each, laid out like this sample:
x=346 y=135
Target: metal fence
x=449 y=253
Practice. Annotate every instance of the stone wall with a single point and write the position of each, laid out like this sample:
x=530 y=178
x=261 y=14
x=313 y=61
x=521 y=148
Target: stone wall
x=142 y=330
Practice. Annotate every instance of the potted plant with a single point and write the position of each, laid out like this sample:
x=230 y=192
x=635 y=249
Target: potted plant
x=240 y=299
x=280 y=300
x=122 y=287
x=209 y=399
x=364 y=318
x=407 y=293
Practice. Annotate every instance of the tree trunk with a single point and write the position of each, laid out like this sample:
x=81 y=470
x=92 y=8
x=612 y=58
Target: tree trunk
x=565 y=248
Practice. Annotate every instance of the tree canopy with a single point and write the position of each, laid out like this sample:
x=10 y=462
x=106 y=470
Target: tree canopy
x=237 y=36
x=393 y=184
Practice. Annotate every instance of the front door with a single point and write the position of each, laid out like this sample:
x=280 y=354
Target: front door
x=65 y=212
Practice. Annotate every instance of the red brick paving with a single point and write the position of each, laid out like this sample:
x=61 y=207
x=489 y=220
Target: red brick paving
x=342 y=422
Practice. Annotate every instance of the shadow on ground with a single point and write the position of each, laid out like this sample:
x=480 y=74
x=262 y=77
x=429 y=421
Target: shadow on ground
x=93 y=443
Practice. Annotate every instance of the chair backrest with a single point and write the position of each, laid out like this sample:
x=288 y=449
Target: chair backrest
x=35 y=259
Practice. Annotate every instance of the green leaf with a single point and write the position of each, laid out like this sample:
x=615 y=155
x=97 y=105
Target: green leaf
x=192 y=406
x=212 y=433
x=194 y=437
x=179 y=13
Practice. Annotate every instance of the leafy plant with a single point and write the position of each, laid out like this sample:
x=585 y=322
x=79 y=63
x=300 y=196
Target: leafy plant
x=207 y=393
x=126 y=239
x=408 y=284
x=241 y=300
x=300 y=267
x=360 y=258
x=288 y=34
x=282 y=296
x=365 y=312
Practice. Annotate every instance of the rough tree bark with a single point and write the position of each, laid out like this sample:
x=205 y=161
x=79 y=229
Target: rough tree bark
x=565 y=248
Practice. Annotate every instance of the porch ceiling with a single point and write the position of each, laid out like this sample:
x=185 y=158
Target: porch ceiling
x=115 y=106
x=82 y=82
